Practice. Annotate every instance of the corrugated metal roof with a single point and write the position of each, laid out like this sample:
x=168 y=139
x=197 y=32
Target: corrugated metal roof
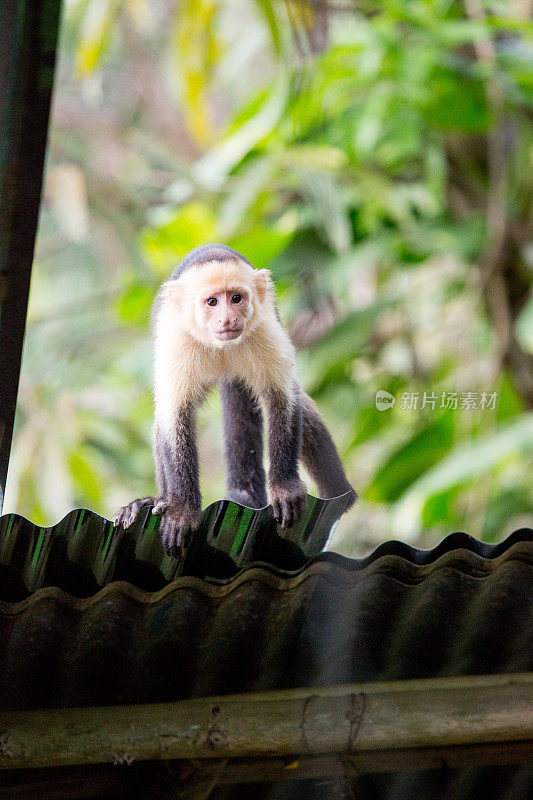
x=463 y=608
x=336 y=621
x=84 y=551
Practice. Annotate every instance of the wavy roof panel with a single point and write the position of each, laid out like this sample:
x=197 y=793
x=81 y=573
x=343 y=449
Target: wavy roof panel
x=84 y=551
x=335 y=621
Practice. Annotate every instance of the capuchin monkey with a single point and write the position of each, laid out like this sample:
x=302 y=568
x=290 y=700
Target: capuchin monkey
x=215 y=321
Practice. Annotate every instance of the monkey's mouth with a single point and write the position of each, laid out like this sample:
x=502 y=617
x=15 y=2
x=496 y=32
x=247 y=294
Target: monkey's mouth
x=228 y=335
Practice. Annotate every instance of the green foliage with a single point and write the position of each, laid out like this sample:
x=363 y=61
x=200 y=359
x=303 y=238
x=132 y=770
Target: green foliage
x=135 y=303
x=197 y=51
x=484 y=457
x=360 y=173
x=425 y=448
x=86 y=481
x=180 y=231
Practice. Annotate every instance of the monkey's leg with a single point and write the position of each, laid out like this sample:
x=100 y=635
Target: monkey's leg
x=243 y=445
x=320 y=455
x=287 y=492
x=178 y=480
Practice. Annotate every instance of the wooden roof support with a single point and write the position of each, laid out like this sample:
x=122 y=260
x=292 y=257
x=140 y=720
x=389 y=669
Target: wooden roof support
x=373 y=726
x=28 y=39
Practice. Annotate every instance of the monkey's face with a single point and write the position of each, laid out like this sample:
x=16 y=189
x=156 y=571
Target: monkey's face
x=219 y=303
x=224 y=313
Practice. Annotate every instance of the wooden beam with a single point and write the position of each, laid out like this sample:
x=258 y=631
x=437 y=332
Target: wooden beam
x=436 y=713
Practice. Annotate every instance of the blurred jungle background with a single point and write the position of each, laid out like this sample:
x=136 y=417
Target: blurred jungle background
x=378 y=158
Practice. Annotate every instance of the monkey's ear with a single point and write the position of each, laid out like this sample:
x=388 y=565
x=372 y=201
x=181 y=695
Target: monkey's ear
x=262 y=283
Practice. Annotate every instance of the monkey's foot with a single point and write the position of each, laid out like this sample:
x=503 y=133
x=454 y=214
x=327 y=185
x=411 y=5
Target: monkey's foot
x=178 y=524
x=127 y=515
x=288 y=500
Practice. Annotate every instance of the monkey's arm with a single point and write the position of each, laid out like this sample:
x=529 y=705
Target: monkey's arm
x=243 y=445
x=287 y=492
x=180 y=502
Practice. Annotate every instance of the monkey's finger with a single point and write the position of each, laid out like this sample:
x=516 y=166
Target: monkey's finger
x=177 y=544
x=170 y=539
x=287 y=515
x=290 y=514
x=127 y=515
x=129 y=518
x=292 y=511
x=121 y=518
x=277 y=510
x=299 y=506
x=166 y=534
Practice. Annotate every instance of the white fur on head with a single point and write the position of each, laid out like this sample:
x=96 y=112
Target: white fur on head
x=190 y=291
x=188 y=361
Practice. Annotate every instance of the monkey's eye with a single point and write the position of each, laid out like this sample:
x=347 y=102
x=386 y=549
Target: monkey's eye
x=236 y=298
x=212 y=301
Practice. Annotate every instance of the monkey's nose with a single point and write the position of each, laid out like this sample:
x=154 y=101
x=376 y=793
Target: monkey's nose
x=229 y=322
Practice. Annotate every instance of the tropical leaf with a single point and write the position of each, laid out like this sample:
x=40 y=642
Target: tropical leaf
x=167 y=243
x=467 y=462
x=213 y=169
x=197 y=51
x=96 y=30
x=412 y=460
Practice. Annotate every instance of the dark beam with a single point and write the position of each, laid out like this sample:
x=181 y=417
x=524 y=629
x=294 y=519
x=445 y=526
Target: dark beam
x=28 y=40
x=197 y=779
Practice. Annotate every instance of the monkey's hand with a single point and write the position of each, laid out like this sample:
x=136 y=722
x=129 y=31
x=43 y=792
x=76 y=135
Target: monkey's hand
x=179 y=521
x=127 y=515
x=288 y=500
